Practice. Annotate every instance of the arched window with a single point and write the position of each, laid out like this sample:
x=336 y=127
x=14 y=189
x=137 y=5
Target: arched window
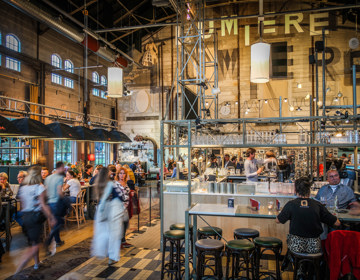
x=95 y=77
x=12 y=42
x=103 y=81
x=56 y=60
x=69 y=66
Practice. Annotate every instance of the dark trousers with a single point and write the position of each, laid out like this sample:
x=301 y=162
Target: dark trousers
x=55 y=231
x=125 y=225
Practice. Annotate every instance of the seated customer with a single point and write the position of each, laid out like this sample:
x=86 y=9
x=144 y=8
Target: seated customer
x=305 y=215
x=73 y=185
x=88 y=172
x=5 y=186
x=44 y=173
x=328 y=193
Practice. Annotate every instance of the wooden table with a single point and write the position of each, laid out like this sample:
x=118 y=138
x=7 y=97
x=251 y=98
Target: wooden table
x=240 y=211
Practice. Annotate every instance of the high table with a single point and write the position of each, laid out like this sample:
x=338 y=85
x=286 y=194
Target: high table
x=240 y=211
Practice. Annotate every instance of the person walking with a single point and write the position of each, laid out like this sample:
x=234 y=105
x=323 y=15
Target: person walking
x=33 y=196
x=108 y=217
x=251 y=169
x=54 y=185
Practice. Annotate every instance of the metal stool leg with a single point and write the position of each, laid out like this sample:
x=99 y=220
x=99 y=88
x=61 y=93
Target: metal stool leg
x=163 y=258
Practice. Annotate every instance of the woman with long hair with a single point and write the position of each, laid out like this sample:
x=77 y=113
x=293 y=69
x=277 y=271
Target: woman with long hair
x=108 y=217
x=33 y=196
x=121 y=178
x=73 y=184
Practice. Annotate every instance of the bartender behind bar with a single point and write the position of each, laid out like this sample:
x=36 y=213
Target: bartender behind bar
x=251 y=166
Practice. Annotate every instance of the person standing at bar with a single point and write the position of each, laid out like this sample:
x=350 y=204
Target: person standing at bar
x=251 y=169
x=227 y=161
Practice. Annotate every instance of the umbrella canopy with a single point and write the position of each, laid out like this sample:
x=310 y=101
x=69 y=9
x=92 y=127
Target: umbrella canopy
x=86 y=134
x=33 y=128
x=7 y=128
x=105 y=135
x=63 y=131
x=121 y=137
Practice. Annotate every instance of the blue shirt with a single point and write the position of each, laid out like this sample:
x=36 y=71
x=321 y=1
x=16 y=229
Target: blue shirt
x=174 y=173
x=344 y=193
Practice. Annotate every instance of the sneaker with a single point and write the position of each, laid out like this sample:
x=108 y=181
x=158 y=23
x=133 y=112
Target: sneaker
x=36 y=266
x=58 y=244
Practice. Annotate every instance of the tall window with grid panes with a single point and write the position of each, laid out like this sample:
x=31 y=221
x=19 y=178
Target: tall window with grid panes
x=69 y=67
x=63 y=151
x=56 y=62
x=102 y=153
x=96 y=81
x=13 y=43
x=103 y=82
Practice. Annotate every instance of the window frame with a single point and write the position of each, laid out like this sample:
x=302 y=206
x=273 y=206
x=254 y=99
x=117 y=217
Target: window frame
x=102 y=157
x=10 y=45
x=9 y=61
x=70 y=69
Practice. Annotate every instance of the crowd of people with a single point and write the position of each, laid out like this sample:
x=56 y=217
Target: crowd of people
x=48 y=197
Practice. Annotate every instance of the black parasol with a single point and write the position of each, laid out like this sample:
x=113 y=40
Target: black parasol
x=33 y=128
x=105 y=135
x=7 y=128
x=86 y=134
x=63 y=131
x=121 y=137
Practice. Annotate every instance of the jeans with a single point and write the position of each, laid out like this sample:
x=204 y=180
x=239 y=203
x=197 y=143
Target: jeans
x=125 y=227
x=55 y=231
x=72 y=199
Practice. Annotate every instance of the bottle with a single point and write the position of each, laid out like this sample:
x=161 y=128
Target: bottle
x=336 y=203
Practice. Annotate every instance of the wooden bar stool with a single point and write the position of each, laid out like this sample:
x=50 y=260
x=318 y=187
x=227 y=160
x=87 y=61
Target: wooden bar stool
x=180 y=226
x=313 y=259
x=242 y=255
x=263 y=244
x=209 y=232
x=174 y=265
x=212 y=248
x=246 y=233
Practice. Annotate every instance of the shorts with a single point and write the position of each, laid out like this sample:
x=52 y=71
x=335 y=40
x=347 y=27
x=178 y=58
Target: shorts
x=33 y=229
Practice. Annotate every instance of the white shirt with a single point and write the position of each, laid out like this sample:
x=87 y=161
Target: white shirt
x=29 y=195
x=75 y=187
x=333 y=187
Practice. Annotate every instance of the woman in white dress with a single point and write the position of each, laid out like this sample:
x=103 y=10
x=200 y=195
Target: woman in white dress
x=108 y=217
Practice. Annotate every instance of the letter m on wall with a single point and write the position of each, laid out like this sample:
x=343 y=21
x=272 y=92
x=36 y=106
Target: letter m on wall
x=227 y=60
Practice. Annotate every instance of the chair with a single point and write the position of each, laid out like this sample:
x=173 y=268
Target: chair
x=206 y=248
x=77 y=209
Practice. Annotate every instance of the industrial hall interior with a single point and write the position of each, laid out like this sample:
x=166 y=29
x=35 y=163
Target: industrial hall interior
x=179 y=139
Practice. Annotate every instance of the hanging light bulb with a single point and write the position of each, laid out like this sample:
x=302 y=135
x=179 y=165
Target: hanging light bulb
x=292 y=108
x=307 y=97
x=339 y=94
x=319 y=103
x=188 y=16
x=246 y=112
x=299 y=109
x=236 y=102
x=285 y=100
x=266 y=101
x=207 y=104
x=299 y=85
x=336 y=99
x=260 y=56
x=314 y=99
x=347 y=121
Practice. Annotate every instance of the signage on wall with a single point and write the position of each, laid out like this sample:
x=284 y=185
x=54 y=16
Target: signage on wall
x=291 y=22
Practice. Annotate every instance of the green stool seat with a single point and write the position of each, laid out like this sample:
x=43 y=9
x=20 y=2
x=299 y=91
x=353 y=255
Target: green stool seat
x=180 y=226
x=209 y=230
x=240 y=244
x=246 y=233
x=268 y=242
x=175 y=234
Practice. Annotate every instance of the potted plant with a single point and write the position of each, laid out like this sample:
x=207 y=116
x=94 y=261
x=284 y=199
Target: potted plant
x=22 y=162
x=17 y=161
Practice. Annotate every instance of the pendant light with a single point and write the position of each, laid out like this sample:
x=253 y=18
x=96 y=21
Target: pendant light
x=260 y=55
x=115 y=82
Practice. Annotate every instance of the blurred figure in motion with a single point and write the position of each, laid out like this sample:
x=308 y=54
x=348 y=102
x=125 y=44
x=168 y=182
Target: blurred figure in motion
x=109 y=217
x=44 y=173
x=33 y=197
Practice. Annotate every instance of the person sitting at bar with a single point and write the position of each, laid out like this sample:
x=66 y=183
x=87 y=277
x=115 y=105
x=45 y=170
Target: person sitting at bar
x=73 y=185
x=44 y=173
x=88 y=172
x=5 y=186
x=227 y=161
x=251 y=169
x=213 y=160
x=329 y=192
x=305 y=215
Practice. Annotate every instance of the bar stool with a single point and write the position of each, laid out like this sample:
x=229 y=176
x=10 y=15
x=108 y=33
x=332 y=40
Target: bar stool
x=209 y=232
x=313 y=259
x=263 y=244
x=174 y=265
x=212 y=248
x=240 y=249
x=181 y=226
x=246 y=233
